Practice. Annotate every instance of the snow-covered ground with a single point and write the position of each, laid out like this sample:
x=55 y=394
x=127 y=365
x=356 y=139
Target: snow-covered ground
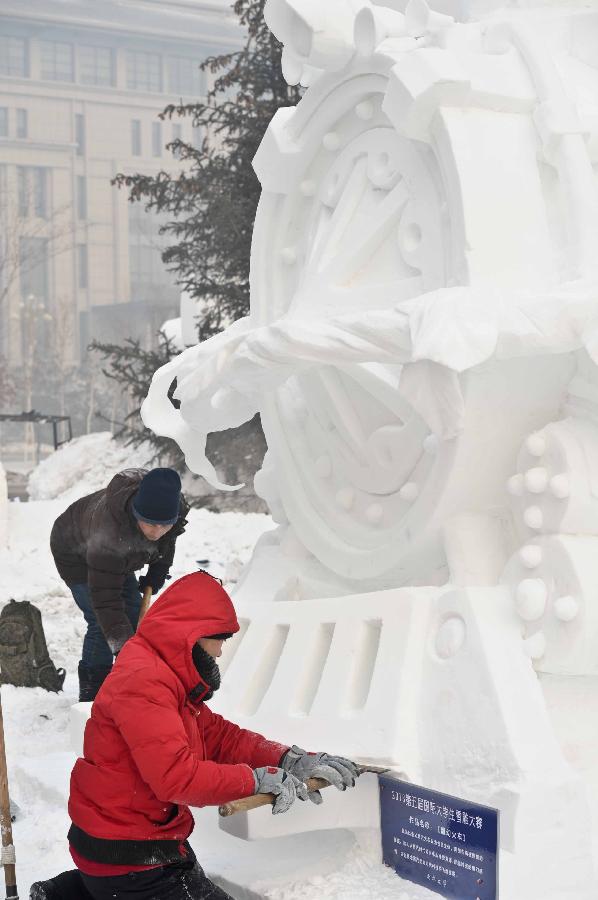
x=37 y=723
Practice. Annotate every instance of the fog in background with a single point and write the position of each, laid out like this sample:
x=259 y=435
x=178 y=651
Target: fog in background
x=81 y=86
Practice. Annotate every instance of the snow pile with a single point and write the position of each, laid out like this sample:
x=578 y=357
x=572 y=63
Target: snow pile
x=361 y=878
x=84 y=465
x=37 y=723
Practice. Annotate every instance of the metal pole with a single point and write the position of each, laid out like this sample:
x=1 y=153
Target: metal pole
x=8 y=850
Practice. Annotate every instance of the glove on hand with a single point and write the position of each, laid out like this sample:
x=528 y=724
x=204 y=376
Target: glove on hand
x=336 y=770
x=270 y=780
x=155 y=577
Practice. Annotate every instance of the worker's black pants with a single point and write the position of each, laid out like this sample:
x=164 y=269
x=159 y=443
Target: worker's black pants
x=183 y=881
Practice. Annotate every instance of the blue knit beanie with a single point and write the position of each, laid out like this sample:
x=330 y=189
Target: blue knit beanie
x=158 y=497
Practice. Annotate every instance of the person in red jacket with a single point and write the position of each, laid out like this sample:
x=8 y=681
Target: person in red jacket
x=153 y=748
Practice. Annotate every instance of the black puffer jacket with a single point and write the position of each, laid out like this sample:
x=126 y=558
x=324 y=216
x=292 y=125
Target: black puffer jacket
x=97 y=541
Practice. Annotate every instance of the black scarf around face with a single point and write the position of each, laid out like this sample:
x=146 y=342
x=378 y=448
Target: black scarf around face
x=208 y=671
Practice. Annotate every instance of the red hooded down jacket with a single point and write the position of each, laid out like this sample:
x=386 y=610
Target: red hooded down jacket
x=150 y=751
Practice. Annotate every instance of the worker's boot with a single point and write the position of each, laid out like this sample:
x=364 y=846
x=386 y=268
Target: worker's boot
x=91 y=679
x=66 y=886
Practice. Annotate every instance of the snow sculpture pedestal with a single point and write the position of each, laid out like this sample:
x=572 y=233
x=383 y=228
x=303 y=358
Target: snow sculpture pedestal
x=422 y=348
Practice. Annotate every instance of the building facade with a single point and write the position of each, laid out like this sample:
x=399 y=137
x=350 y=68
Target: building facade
x=81 y=86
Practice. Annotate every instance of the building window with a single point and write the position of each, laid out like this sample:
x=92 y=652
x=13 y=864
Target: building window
x=185 y=76
x=177 y=135
x=96 y=65
x=35 y=294
x=143 y=71
x=197 y=137
x=156 y=139
x=32 y=191
x=136 y=137
x=3 y=121
x=149 y=280
x=56 y=61
x=81 y=197
x=82 y=273
x=22 y=191
x=14 y=57
x=22 y=130
x=80 y=133
x=33 y=262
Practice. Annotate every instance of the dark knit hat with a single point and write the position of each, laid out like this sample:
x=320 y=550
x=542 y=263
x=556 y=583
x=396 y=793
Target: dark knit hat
x=158 y=497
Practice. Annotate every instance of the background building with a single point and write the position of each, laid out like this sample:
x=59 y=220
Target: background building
x=81 y=84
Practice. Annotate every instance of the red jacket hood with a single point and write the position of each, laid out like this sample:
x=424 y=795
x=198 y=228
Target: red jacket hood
x=194 y=606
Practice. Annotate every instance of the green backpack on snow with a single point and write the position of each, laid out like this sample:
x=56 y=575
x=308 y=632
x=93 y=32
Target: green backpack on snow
x=24 y=657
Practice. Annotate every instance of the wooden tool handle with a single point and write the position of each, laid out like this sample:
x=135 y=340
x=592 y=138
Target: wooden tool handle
x=145 y=602
x=247 y=803
x=313 y=784
x=10 y=877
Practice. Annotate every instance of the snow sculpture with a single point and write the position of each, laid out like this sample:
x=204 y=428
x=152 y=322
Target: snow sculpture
x=423 y=349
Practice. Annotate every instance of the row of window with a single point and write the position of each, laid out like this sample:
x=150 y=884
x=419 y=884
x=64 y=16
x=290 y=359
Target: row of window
x=145 y=264
x=20 y=124
x=32 y=181
x=148 y=276
x=146 y=267
x=95 y=65
x=32 y=193
x=157 y=137
x=144 y=238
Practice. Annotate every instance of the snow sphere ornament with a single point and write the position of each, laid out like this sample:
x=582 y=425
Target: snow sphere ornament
x=566 y=608
x=531 y=599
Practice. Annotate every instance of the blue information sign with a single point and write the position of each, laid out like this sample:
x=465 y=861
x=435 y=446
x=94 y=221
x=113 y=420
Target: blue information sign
x=446 y=844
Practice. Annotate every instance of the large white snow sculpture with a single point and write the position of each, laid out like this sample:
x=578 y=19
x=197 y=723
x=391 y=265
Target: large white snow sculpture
x=423 y=348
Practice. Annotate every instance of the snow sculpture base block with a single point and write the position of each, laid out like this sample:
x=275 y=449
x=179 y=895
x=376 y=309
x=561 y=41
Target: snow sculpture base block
x=358 y=809
x=432 y=681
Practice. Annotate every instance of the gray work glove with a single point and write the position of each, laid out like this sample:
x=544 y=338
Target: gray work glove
x=286 y=787
x=335 y=770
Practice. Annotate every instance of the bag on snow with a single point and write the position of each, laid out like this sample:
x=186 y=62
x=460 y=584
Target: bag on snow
x=24 y=657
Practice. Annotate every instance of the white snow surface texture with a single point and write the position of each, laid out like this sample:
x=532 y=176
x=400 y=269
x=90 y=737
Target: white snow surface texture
x=37 y=723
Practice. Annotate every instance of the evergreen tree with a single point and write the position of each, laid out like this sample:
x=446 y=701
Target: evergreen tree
x=212 y=202
x=210 y=205
x=132 y=367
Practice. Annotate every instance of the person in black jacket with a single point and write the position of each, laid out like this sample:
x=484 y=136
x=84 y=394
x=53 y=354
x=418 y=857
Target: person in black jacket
x=99 y=542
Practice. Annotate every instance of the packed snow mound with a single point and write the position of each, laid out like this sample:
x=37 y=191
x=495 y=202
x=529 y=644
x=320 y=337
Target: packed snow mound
x=83 y=466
